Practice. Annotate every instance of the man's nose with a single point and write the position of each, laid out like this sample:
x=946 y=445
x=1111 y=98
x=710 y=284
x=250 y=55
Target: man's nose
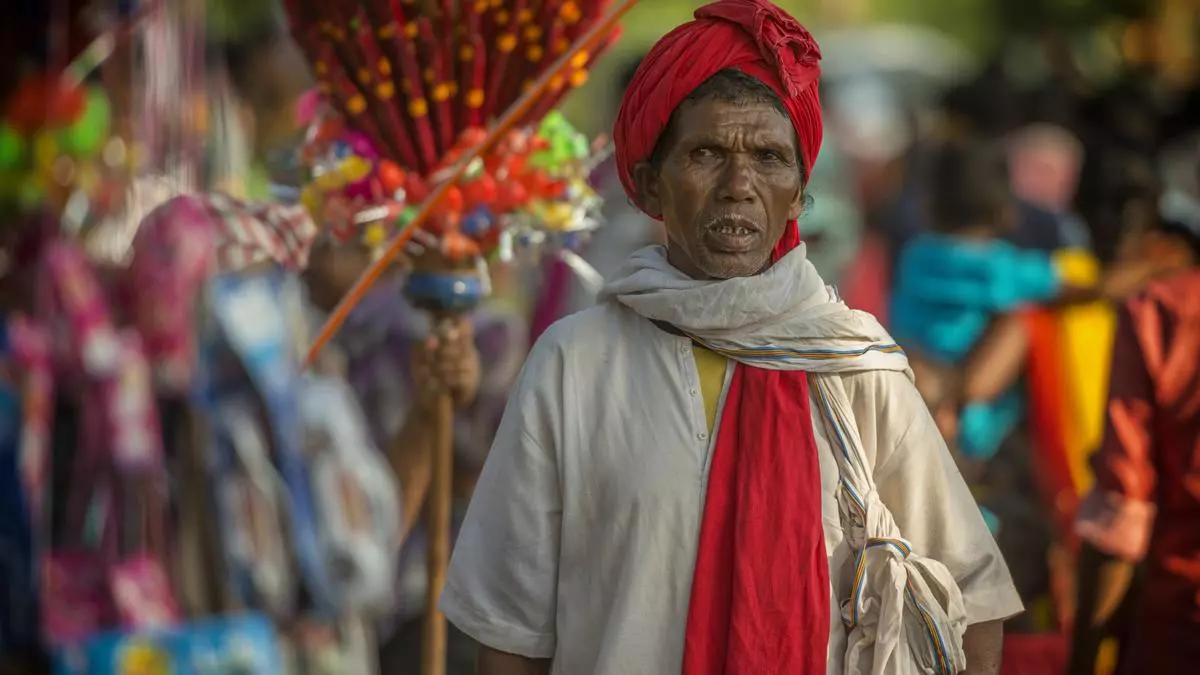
x=737 y=185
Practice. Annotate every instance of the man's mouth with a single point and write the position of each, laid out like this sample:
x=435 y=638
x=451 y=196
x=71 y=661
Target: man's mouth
x=726 y=228
x=731 y=235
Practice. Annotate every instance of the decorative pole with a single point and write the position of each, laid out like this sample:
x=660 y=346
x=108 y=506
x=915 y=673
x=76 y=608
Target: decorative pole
x=408 y=161
x=445 y=287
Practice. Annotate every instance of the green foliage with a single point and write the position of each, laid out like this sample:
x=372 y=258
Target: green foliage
x=1027 y=16
x=233 y=20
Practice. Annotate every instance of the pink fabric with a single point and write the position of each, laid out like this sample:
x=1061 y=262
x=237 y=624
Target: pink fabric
x=173 y=255
x=866 y=284
x=552 y=301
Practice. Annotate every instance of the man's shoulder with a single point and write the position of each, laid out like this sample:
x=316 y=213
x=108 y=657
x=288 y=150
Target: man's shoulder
x=887 y=398
x=586 y=328
x=578 y=349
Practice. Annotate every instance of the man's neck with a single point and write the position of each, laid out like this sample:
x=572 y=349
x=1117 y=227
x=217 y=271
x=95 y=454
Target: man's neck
x=682 y=262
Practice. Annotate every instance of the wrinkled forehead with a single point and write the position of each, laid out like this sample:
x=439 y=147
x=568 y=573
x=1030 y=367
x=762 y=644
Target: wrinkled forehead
x=751 y=122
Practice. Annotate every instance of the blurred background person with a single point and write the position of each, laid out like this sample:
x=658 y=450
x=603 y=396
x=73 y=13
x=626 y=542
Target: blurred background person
x=1144 y=504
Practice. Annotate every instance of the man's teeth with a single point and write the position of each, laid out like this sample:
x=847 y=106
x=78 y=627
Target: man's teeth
x=737 y=230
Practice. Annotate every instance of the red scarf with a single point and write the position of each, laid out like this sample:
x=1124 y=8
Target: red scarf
x=760 y=592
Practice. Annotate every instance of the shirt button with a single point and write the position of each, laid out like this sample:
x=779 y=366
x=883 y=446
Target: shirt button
x=683 y=349
x=693 y=392
x=703 y=435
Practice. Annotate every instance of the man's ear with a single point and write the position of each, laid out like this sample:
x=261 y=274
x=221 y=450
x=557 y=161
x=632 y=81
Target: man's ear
x=645 y=179
x=796 y=208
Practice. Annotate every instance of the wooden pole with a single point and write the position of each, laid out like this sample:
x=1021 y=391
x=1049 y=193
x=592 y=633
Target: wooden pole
x=443 y=287
x=437 y=514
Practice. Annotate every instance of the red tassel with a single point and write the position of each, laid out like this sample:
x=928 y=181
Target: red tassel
x=531 y=59
x=575 y=78
x=504 y=46
x=384 y=90
x=418 y=103
x=391 y=43
x=418 y=74
x=352 y=104
x=442 y=87
x=360 y=100
x=472 y=62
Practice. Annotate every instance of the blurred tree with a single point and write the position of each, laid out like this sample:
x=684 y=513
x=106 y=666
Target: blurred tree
x=235 y=20
x=1037 y=16
x=970 y=21
x=983 y=24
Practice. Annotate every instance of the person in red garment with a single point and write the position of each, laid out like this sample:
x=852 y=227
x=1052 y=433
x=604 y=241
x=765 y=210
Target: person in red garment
x=721 y=468
x=1145 y=504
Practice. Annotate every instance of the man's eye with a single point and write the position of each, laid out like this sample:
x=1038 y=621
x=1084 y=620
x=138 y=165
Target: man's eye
x=769 y=156
x=704 y=153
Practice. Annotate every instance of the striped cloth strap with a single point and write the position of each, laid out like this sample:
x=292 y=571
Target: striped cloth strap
x=774 y=357
x=249 y=233
x=905 y=614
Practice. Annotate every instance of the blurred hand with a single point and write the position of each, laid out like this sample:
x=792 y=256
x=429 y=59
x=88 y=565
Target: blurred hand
x=1126 y=279
x=332 y=271
x=447 y=362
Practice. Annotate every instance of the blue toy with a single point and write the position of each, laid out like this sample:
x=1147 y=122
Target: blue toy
x=240 y=645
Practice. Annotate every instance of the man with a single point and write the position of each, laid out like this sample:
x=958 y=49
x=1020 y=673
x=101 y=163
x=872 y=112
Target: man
x=398 y=374
x=1044 y=162
x=689 y=475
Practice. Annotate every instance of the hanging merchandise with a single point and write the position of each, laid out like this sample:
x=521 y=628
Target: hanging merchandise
x=106 y=566
x=95 y=481
x=359 y=505
x=306 y=510
x=305 y=470
x=244 y=645
x=103 y=362
x=171 y=257
x=56 y=152
x=249 y=326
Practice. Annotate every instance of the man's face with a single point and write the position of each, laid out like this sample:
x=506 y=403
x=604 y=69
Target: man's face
x=727 y=187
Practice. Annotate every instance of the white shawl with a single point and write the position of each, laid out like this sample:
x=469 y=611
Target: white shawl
x=905 y=613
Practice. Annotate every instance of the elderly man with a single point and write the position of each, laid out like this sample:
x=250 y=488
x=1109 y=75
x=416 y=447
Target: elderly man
x=721 y=468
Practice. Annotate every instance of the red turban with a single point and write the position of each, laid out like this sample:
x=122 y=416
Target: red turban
x=753 y=36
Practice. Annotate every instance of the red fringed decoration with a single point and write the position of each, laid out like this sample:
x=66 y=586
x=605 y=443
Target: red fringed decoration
x=505 y=18
x=440 y=84
x=576 y=77
x=414 y=75
x=473 y=58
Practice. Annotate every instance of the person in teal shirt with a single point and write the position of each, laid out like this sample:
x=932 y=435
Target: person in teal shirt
x=953 y=280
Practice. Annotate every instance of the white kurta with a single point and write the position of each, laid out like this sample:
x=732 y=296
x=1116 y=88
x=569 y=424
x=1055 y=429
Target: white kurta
x=582 y=533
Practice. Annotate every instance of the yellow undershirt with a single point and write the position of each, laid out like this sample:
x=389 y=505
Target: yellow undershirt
x=711 y=368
